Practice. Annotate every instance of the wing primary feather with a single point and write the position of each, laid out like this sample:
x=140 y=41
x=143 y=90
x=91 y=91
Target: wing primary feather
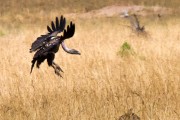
x=62 y=23
x=57 y=23
x=49 y=29
x=65 y=33
x=53 y=26
x=68 y=28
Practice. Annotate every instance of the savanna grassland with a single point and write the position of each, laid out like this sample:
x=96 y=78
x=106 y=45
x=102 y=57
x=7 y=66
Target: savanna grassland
x=106 y=80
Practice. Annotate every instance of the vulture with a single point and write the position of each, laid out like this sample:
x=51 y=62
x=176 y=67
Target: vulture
x=134 y=22
x=47 y=45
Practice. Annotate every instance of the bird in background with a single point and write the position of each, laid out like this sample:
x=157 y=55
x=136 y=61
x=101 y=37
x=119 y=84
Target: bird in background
x=47 y=45
x=134 y=22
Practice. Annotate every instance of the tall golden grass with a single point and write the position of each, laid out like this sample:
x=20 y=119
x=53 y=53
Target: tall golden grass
x=99 y=84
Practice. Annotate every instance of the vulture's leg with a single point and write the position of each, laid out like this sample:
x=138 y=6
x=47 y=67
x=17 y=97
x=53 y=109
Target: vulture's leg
x=56 y=70
x=50 y=59
x=57 y=66
x=39 y=61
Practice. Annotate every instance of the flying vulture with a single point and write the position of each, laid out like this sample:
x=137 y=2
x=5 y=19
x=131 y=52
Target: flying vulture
x=134 y=22
x=47 y=45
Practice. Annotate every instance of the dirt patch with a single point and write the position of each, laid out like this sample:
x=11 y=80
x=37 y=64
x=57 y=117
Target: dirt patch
x=116 y=10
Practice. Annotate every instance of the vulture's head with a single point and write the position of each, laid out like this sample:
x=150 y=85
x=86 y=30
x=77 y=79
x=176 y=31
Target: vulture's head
x=73 y=51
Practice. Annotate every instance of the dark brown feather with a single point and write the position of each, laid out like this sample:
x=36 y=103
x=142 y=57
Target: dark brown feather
x=49 y=29
x=53 y=26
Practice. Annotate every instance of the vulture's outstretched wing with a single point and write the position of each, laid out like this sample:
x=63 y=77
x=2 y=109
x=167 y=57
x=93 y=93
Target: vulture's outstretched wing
x=134 y=21
x=69 y=32
x=39 y=42
x=57 y=27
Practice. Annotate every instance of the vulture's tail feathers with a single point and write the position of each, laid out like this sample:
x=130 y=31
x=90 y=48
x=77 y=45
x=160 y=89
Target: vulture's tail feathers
x=33 y=62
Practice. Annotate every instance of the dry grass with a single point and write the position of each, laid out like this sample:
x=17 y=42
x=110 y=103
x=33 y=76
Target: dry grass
x=99 y=84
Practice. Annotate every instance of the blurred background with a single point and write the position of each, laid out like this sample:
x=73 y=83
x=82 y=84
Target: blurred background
x=118 y=70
